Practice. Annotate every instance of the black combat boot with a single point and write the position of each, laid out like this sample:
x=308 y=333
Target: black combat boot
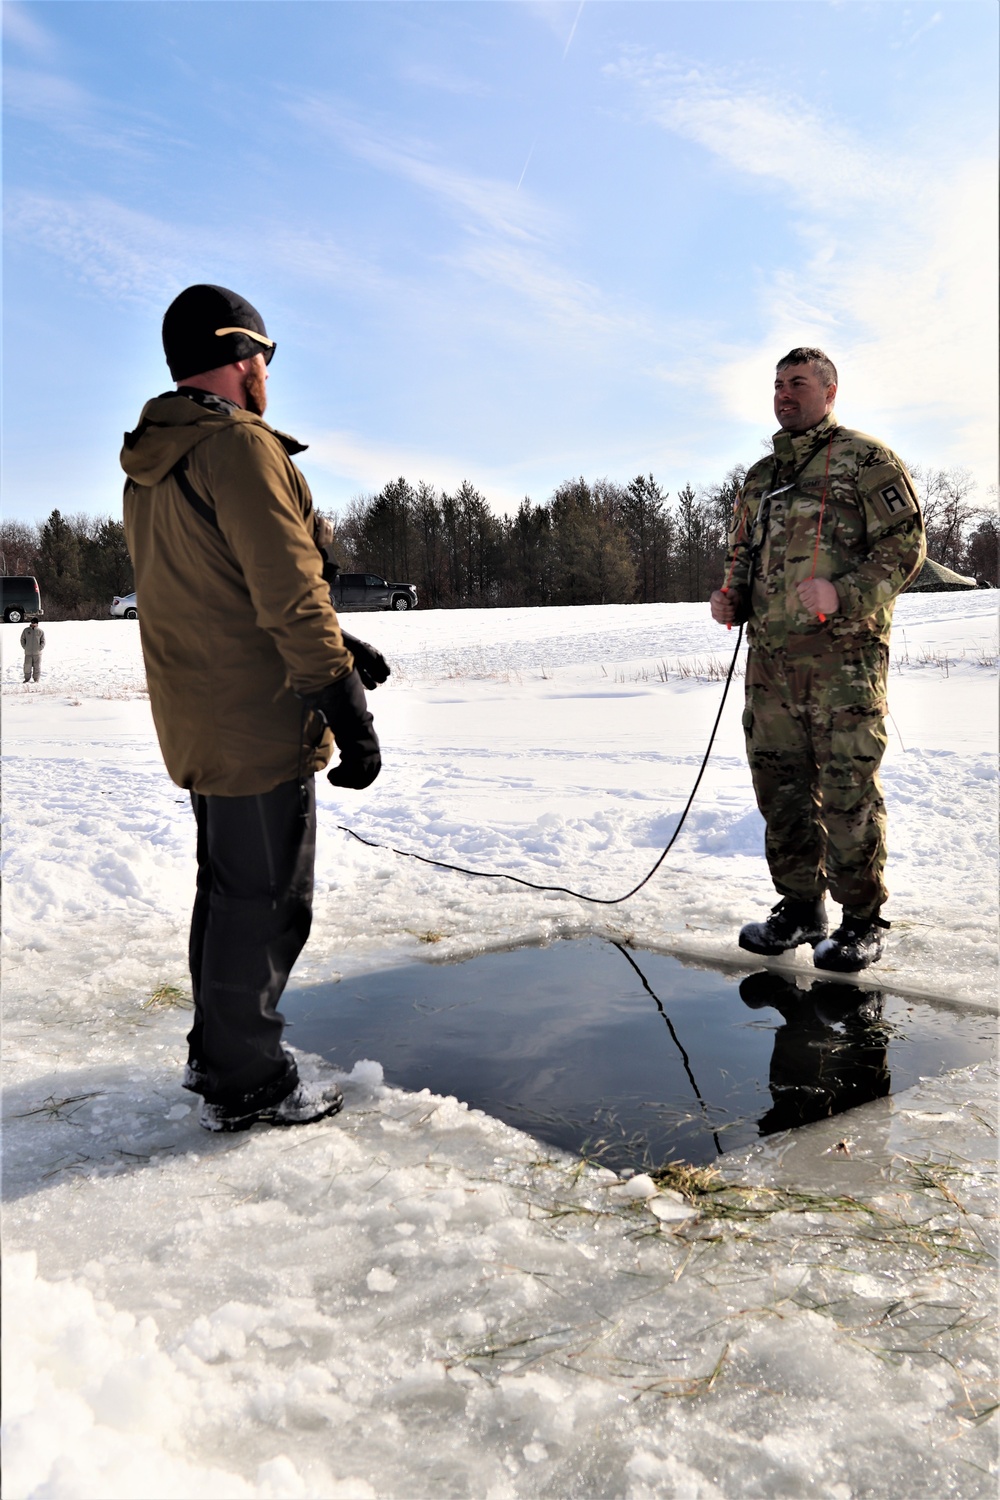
x=791 y=922
x=856 y=943
x=306 y=1103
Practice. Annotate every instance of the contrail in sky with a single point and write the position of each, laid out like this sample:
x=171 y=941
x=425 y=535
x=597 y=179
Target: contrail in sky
x=572 y=32
x=525 y=167
x=569 y=42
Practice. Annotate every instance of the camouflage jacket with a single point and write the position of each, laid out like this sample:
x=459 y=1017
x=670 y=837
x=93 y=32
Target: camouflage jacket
x=866 y=536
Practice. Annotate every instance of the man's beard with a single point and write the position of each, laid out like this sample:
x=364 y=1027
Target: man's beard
x=255 y=388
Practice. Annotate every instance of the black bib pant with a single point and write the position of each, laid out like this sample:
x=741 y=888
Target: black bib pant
x=252 y=914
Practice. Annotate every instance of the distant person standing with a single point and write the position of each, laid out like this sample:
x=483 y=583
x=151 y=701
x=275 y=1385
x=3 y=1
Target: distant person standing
x=825 y=534
x=32 y=644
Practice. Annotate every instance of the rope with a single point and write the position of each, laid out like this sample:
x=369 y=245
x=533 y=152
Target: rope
x=565 y=890
x=677 y=1041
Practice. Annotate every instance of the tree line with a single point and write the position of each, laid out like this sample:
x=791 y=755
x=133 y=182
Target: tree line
x=599 y=542
x=80 y=562
x=591 y=542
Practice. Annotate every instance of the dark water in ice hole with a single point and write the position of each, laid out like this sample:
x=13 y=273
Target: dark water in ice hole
x=633 y=1057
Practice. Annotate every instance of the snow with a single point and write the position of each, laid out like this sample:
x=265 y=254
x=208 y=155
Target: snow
x=415 y=1299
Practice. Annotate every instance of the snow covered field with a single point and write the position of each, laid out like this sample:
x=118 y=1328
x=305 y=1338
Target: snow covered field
x=416 y=1300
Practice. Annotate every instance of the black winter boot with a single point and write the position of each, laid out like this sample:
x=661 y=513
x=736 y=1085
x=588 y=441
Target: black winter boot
x=791 y=922
x=306 y=1103
x=856 y=943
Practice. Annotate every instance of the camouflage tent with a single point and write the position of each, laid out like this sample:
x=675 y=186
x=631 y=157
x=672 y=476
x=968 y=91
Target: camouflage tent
x=935 y=578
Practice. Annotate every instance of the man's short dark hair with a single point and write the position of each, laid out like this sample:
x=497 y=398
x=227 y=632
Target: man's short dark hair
x=825 y=367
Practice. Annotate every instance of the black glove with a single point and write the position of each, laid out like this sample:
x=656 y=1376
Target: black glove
x=342 y=705
x=370 y=664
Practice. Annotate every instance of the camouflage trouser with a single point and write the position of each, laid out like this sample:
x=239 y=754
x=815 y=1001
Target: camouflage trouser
x=32 y=666
x=815 y=737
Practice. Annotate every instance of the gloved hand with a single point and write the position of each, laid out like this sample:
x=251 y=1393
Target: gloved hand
x=370 y=664
x=342 y=705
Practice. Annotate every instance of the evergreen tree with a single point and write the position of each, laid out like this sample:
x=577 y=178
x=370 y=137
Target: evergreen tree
x=105 y=565
x=593 y=563
x=59 y=562
x=649 y=527
x=429 y=560
x=530 y=561
x=690 y=543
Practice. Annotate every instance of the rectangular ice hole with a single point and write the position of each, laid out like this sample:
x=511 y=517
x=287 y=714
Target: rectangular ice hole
x=631 y=1057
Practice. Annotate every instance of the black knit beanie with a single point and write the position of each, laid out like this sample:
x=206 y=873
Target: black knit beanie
x=208 y=326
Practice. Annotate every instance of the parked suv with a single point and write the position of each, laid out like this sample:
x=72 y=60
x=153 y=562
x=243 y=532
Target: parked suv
x=368 y=591
x=20 y=598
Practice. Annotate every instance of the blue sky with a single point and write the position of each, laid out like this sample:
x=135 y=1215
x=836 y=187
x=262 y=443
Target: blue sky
x=508 y=242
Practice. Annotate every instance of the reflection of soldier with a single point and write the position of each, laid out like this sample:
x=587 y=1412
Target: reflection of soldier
x=829 y=1056
x=32 y=644
x=826 y=533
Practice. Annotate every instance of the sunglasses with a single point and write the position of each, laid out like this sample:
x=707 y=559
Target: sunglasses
x=269 y=344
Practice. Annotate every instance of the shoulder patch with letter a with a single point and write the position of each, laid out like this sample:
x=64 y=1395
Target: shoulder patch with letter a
x=889 y=491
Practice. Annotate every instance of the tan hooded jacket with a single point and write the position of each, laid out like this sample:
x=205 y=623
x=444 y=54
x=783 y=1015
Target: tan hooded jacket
x=235 y=619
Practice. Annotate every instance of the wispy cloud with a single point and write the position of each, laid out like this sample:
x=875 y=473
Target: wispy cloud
x=477 y=201
x=44 y=97
x=321 y=260
x=129 y=256
x=786 y=142
x=891 y=260
x=560 y=298
x=57 y=103
x=928 y=25
x=21 y=29
x=444 y=80
x=511 y=241
x=125 y=255
x=369 y=464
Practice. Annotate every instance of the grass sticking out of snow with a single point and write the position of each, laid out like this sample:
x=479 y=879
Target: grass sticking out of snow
x=167 y=995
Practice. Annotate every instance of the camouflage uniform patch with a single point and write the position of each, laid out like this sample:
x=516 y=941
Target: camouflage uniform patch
x=836 y=504
x=815 y=737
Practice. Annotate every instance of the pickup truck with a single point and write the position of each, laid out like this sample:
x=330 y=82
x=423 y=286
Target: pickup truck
x=368 y=591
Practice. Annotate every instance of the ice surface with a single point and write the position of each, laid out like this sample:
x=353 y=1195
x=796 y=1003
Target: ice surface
x=414 y=1299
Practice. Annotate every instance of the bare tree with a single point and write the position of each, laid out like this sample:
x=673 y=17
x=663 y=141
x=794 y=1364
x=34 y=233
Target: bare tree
x=945 y=499
x=18 y=549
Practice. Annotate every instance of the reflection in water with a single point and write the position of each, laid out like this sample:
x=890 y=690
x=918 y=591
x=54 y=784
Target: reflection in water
x=627 y=1055
x=676 y=1039
x=831 y=1053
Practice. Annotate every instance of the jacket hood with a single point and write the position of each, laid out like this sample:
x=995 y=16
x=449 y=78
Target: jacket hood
x=171 y=425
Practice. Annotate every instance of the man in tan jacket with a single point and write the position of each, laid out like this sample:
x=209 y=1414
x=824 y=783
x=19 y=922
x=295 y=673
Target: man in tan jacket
x=250 y=681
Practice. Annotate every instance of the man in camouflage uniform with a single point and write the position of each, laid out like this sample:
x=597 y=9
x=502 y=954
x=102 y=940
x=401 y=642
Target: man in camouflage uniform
x=825 y=534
